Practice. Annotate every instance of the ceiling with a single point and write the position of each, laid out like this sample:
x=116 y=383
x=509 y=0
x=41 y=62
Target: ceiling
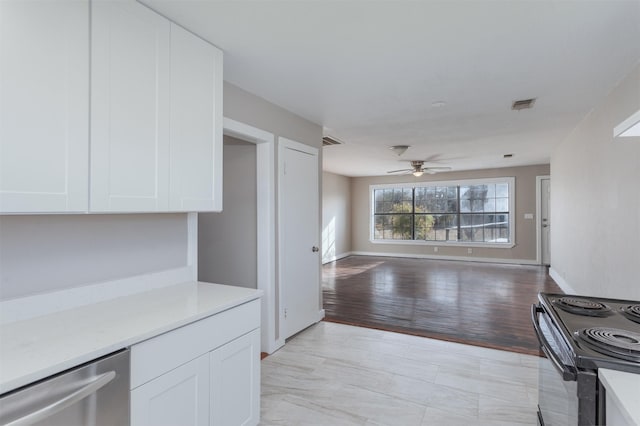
x=375 y=73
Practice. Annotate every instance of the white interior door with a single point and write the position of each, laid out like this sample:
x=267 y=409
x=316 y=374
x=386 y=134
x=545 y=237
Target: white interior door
x=545 y=218
x=299 y=236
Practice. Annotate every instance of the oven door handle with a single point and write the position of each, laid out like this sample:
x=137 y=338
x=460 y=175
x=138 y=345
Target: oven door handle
x=568 y=373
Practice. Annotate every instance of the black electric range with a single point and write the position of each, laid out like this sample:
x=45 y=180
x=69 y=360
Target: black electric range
x=578 y=335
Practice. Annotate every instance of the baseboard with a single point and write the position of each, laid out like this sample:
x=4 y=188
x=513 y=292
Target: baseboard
x=336 y=257
x=562 y=283
x=435 y=257
x=320 y=315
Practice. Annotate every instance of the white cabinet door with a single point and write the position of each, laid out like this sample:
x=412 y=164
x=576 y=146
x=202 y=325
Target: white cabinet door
x=178 y=397
x=129 y=108
x=196 y=123
x=44 y=105
x=235 y=382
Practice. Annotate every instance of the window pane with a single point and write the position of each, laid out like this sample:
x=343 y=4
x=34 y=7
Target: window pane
x=478 y=227
x=491 y=190
x=490 y=205
x=424 y=227
x=452 y=206
x=502 y=204
x=502 y=190
x=466 y=227
x=393 y=227
x=452 y=192
x=445 y=227
x=477 y=205
x=502 y=228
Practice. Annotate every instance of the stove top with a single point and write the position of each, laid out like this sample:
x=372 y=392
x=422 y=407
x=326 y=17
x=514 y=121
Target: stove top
x=582 y=306
x=601 y=332
x=614 y=342
x=632 y=312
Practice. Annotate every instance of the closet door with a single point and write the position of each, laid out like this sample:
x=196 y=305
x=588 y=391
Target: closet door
x=130 y=92
x=196 y=123
x=44 y=106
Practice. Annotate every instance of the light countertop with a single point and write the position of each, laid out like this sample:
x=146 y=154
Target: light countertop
x=624 y=389
x=36 y=348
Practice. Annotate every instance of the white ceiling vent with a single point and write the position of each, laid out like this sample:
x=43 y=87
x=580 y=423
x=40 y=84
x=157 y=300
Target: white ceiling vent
x=328 y=141
x=523 y=104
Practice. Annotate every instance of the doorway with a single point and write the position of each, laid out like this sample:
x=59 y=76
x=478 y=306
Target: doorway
x=265 y=226
x=543 y=223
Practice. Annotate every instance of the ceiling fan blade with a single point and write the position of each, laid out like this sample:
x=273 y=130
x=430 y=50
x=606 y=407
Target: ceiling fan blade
x=401 y=170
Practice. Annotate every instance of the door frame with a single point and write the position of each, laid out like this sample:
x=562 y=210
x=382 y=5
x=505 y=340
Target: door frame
x=266 y=225
x=539 y=217
x=284 y=143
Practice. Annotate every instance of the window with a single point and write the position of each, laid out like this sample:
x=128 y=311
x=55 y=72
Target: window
x=479 y=211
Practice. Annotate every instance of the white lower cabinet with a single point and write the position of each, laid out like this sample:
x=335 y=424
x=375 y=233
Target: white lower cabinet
x=204 y=373
x=235 y=384
x=179 y=397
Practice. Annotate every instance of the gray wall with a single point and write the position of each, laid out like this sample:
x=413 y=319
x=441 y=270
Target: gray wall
x=336 y=216
x=595 y=201
x=247 y=108
x=40 y=254
x=525 y=194
x=227 y=241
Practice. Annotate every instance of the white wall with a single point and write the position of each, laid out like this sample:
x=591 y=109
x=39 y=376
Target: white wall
x=336 y=216
x=44 y=253
x=595 y=201
x=227 y=241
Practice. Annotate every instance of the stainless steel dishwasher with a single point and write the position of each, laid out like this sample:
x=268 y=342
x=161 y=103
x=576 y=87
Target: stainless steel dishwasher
x=95 y=394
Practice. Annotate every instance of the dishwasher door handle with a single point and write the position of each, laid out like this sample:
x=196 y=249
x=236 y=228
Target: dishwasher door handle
x=67 y=401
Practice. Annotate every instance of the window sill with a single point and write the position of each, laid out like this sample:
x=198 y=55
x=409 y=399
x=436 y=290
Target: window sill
x=443 y=243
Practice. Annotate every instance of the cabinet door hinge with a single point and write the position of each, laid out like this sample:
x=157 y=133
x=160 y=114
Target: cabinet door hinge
x=285 y=312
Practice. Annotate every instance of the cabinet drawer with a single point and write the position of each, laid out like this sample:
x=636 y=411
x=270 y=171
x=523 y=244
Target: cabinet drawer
x=156 y=356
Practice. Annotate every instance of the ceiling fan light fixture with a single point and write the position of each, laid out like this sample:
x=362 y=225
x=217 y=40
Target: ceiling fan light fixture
x=418 y=173
x=399 y=149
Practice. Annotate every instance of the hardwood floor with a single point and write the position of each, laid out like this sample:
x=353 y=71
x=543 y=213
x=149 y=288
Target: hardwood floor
x=482 y=304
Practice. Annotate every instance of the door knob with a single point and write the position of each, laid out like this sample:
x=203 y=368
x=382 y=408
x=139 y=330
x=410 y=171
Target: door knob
x=315 y=249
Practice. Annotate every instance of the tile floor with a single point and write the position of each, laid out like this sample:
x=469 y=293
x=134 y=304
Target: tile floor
x=334 y=374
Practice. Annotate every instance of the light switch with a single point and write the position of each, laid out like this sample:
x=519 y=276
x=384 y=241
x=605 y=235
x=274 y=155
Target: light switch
x=528 y=215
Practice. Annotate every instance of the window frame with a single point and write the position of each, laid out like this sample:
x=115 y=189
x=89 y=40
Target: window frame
x=510 y=181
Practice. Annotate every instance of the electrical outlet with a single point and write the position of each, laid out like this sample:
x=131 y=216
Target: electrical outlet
x=435 y=249
x=469 y=251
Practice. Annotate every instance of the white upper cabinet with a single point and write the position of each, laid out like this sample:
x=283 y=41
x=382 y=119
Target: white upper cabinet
x=196 y=123
x=131 y=123
x=130 y=89
x=156 y=117
x=44 y=106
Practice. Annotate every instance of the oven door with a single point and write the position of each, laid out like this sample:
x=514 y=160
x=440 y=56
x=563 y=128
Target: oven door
x=558 y=403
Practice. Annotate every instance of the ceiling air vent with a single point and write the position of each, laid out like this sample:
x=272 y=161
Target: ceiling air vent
x=523 y=104
x=328 y=141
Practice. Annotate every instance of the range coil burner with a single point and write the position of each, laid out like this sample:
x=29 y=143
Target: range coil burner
x=632 y=312
x=622 y=344
x=578 y=306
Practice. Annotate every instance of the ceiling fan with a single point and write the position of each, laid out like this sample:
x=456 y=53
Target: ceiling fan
x=417 y=169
